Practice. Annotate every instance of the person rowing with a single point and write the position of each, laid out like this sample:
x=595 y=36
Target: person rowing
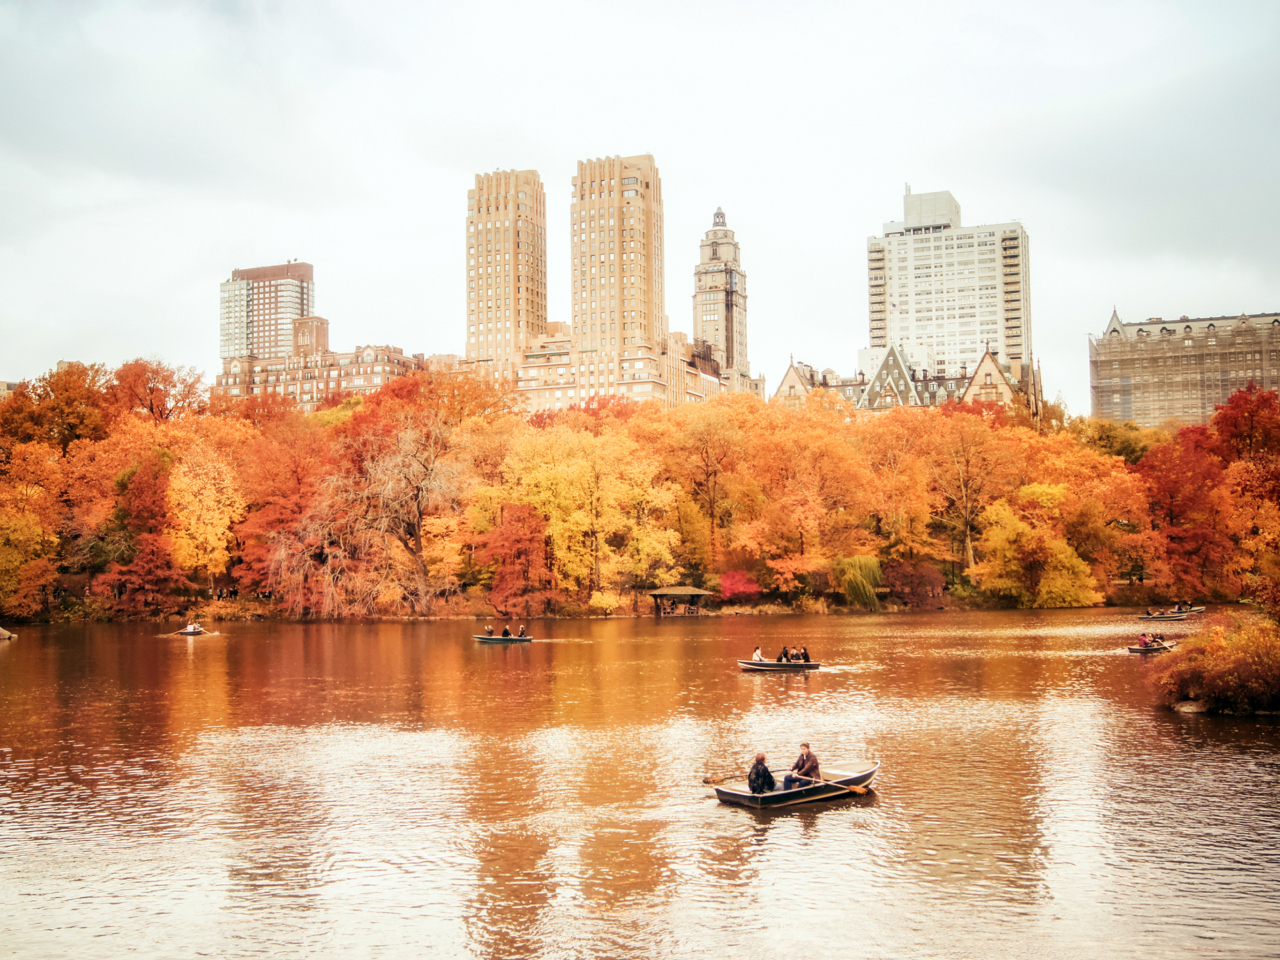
x=760 y=778
x=506 y=629
x=805 y=769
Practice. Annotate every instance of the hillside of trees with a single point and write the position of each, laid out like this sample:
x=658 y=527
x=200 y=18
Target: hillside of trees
x=132 y=493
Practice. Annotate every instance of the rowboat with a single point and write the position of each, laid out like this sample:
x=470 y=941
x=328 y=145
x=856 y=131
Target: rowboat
x=835 y=776
x=1164 y=616
x=1155 y=647
x=777 y=666
x=485 y=638
x=197 y=632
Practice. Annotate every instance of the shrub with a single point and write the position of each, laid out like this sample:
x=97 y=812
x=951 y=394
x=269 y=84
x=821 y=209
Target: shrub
x=1232 y=671
x=739 y=585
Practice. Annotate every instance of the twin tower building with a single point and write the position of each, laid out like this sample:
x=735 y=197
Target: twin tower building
x=616 y=340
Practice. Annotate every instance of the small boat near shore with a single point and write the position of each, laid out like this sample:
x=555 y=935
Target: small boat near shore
x=1155 y=647
x=836 y=777
x=777 y=666
x=485 y=638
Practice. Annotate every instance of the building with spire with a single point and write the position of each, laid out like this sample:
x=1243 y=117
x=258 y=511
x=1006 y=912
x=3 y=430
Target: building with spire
x=1155 y=372
x=720 y=306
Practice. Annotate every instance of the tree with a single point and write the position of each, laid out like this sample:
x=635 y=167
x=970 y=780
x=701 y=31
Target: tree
x=1025 y=557
x=517 y=547
x=157 y=391
x=59 y=408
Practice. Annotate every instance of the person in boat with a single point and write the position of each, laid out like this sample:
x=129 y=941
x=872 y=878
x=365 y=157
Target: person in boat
x=489 y=629
x=804 y=654
x=805 y=769
x=522 y=633
x=506 y=629
x=782 y=657
x=760 y=778
x=757 y=655
x=1143 y=641
x=193 y=626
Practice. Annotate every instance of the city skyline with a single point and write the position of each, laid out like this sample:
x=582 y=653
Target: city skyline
x=353 y=155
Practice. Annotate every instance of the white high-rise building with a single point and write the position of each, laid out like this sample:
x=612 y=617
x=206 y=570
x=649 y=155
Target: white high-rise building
x=952 y=290
x=259 y=306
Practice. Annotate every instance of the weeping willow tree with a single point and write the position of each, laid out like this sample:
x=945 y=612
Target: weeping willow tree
x=858 y=577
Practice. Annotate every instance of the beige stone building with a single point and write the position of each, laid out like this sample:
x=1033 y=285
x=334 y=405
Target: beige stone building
x=616 y=255
x=312 y=372
x=1154 y=372
x=956 y=290
x=258 y=306
x=506 y=264
x=6 y=388
x=720 y=307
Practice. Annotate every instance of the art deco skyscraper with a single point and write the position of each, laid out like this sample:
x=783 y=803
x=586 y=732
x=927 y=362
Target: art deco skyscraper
x=258 y=307
x=506 y=268
x=954 y=290
x=720 y=297
x=616 y=249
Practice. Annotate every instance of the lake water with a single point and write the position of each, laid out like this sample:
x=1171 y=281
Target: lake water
x=395 y=789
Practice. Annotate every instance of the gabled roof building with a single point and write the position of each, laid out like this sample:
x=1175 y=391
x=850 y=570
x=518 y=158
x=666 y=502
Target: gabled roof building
x=1154 y=372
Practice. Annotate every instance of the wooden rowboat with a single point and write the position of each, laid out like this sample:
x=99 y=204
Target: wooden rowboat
x=198 y=632
x=1155 y=647
x=1165 y=616
x=777 y=666
x=835 y=776
x=485 y=638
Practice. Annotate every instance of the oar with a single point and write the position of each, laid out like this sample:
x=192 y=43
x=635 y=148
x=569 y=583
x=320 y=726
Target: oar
x=857 y=790
x=724 y=778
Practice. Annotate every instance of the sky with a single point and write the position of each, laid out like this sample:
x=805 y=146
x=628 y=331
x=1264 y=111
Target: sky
x=148 y=149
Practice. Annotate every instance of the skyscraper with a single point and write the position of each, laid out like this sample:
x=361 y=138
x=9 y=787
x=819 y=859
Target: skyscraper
x=720 y=298
x=506 y=244
x=935 y=284
x=616 y=250
x=258 y=307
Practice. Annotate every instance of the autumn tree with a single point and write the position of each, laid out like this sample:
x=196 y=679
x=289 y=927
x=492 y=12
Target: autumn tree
x=68 y=404
x=157 y=391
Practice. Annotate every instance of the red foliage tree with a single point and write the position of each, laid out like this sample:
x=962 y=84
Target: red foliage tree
x=1248 y=424
x=517 y=545
x=913 y=581
x=1190 y=509
x=739 y=585
x=157 y=391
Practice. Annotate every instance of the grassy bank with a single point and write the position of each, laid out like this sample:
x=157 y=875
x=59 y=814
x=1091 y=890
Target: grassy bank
x=1230 y=669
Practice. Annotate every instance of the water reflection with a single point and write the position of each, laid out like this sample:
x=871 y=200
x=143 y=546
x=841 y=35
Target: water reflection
x=305 y=790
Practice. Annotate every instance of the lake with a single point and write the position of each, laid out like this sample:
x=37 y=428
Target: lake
x=396 y=789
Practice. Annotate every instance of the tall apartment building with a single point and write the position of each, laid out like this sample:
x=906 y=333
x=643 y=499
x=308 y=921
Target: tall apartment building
x=506 y=243
x=958 y=290
x=258 y=307
x=720 y=298
x=1153 y=372
x=616 y=253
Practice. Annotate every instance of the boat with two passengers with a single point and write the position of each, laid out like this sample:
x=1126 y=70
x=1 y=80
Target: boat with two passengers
x=1158 y=647
x=778 y=666
x=836 y=780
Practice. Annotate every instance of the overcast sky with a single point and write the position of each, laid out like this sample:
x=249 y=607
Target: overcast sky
x=147 y=149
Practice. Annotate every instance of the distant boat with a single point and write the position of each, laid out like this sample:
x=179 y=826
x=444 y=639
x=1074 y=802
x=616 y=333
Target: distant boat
x=196 y=631
x=6 y=635
x=485 y=638
x=777 y=666
x=835 y=777
x=1167 y=616
x=1158 y=647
